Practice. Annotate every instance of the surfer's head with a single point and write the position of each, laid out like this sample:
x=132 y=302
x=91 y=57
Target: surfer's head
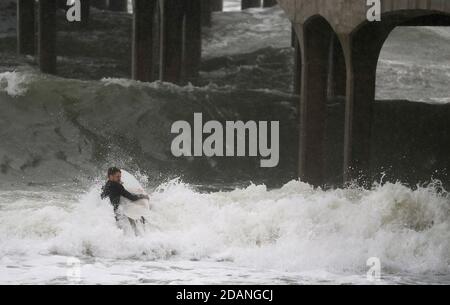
x=114 y=174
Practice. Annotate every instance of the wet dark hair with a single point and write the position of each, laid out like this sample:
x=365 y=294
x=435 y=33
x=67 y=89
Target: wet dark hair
x=112 y=171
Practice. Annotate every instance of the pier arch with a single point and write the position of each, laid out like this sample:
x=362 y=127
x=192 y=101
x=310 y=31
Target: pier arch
x=362 y=48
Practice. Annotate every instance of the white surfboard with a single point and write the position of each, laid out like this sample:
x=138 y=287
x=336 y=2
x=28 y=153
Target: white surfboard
x=138 y=209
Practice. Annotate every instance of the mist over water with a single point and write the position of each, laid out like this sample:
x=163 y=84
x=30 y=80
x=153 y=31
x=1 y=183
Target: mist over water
x=214 y=220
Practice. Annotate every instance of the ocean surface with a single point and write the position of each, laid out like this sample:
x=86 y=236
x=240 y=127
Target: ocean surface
x=214 y=221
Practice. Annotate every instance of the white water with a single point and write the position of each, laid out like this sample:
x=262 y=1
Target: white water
x=304 y=235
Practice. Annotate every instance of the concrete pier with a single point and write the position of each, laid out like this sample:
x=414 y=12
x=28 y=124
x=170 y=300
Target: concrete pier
x=47 y=36
x=25 y=27
x=336 y=57
x=340 y=50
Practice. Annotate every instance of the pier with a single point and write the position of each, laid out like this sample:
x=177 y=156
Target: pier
x=339 y=50
x=336 y=57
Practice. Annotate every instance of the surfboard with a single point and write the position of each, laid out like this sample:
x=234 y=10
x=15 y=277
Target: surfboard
x=138 y=209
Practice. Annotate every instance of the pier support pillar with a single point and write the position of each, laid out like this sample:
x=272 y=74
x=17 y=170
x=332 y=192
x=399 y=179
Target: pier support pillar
x=362 y=50
x=269 y=3
x=206 y=12
x=118 y=5
x=100 y=4
x=171 y=61
x=216 y=5
x=157 y=26
x=85 y=12
x=250 y=3
x=337 y=69
x=314 y=39
x=192 y=38
x=62 y=4
x=297 y=63
x=47 y=36
x=143 y=22
x=25 y=27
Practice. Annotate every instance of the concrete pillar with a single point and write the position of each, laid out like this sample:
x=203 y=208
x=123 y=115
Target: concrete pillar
x=172 y=41
x=315 y=39
x=337 y=71
x=118 y=5
x=294 y=39
x=216 y=5
x=25 y=27
x=192 y=38
x=62 y=4
x=206 y=12
x=85 y=11
x=47 y=36
x=156 y=40
x=269 y=3
x=250 y=3
x=297 y=68
x=361 y=51
x=143 y=22
x=100 y=4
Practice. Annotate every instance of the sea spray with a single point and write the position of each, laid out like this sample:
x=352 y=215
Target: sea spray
x=294 y=228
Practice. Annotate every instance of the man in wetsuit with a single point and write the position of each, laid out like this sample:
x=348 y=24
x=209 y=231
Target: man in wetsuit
x=113 y=189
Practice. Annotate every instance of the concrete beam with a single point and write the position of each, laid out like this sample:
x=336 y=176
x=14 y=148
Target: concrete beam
x=347 y=15
x=47 y=36
x=143 y=22
x=25 y=27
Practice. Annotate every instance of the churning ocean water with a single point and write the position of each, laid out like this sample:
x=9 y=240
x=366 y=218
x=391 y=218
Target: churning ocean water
x=214 y=221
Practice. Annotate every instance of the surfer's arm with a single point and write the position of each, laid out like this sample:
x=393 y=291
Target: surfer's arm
x=132 y=197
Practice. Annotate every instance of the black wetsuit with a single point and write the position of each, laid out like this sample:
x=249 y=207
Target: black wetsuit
x=114 y=191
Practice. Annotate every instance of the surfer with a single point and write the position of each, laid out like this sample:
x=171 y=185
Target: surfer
x=113 y=189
